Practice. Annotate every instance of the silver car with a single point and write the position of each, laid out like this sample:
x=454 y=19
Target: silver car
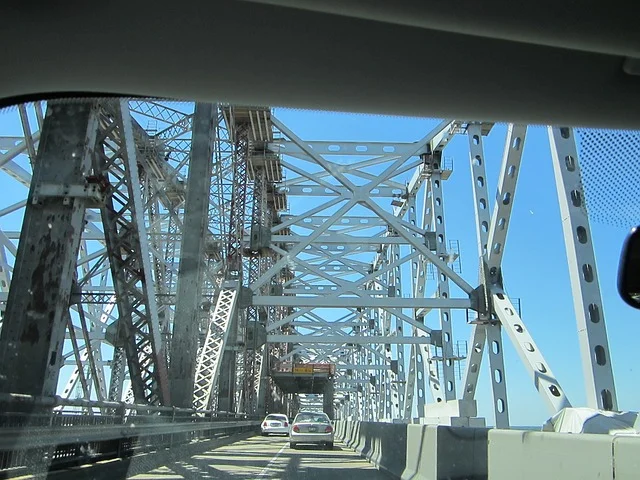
x=275 y=423
x=311 y=427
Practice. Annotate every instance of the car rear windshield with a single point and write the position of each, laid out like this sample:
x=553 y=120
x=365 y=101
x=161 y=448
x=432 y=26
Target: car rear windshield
x=312 y=417
x=276 y=417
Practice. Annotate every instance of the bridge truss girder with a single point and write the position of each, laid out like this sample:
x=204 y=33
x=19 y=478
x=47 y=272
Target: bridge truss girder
x=361 y=235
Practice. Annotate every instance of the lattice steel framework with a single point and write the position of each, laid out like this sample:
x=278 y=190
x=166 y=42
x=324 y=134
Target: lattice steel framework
x=210 y=357
x=343 y=245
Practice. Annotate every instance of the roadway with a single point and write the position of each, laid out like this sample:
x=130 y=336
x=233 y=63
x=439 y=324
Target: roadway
x=268 y=458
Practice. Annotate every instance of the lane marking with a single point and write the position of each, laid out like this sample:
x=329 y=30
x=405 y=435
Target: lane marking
x=266 y=469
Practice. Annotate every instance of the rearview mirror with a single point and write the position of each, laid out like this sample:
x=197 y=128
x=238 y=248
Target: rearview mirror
x=629 y=269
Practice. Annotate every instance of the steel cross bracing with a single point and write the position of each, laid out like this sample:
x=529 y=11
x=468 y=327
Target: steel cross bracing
x=331 y=280
x=327 y=264
x=592 y=332
x=138 y=329
x=210 y=357
x=326 y=248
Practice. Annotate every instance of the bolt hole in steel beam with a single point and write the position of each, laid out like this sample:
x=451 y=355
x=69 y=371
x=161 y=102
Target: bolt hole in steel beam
x=576 y=198
x=570 y=163
x=587 y=272
x=554 y=391
x=600 y=355
x=516 y=144
x=581 y=234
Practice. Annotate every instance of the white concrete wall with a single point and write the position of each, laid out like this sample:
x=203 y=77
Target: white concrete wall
x=538 y=455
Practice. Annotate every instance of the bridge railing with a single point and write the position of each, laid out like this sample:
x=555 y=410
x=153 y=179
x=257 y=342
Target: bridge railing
x=63 y=432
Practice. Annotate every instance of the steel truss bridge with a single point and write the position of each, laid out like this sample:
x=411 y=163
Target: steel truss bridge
x=175 y=255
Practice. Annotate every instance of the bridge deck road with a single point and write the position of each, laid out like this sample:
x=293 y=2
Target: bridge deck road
x=269 y=458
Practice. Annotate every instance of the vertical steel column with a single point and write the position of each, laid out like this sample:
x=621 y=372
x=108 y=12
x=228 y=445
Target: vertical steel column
x=186 y=326
x=474 y=361
x=226 y=387
x=587 y=300
x=429 y=365
x=396 y=275
x=138 y=332
x=33 y=333
x=483 y=219
x=411 y=384
x=437 y=204
x=238 y=200
x=259 y=219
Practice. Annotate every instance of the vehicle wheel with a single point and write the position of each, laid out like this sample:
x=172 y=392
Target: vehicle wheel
x=264 y=434
x=329 y=446
x=292 y=445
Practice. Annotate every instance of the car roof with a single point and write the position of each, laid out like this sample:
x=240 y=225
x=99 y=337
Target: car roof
x=538 y=63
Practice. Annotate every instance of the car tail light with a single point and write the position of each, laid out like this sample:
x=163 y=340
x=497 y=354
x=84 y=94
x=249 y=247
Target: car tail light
x=286 y=424
x=264 y=424
x=329 y=429
x=296 y=429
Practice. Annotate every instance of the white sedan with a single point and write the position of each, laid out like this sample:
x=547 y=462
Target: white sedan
x=275 y=424
x=311 y=427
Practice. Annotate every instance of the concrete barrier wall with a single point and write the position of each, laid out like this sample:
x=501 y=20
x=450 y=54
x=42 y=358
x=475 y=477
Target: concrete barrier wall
x=383 y=444
x=536 y=455
x=419 y=452
x=626 y=458
x=441 y=452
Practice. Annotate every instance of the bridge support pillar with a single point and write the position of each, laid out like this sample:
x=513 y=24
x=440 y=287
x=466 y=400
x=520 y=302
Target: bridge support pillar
x=35 y=319
x=327 y=400
x=186 y=327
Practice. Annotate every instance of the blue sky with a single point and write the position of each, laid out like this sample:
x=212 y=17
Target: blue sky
x=535 y=267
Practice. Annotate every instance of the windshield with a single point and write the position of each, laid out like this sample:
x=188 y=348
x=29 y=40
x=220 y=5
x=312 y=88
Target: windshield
x=183 y=268
x=312 y=418
x=280 y=418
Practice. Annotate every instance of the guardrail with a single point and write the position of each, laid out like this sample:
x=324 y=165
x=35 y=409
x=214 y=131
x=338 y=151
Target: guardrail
x=429 y=452
x=419 y=452
x=63 y=433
